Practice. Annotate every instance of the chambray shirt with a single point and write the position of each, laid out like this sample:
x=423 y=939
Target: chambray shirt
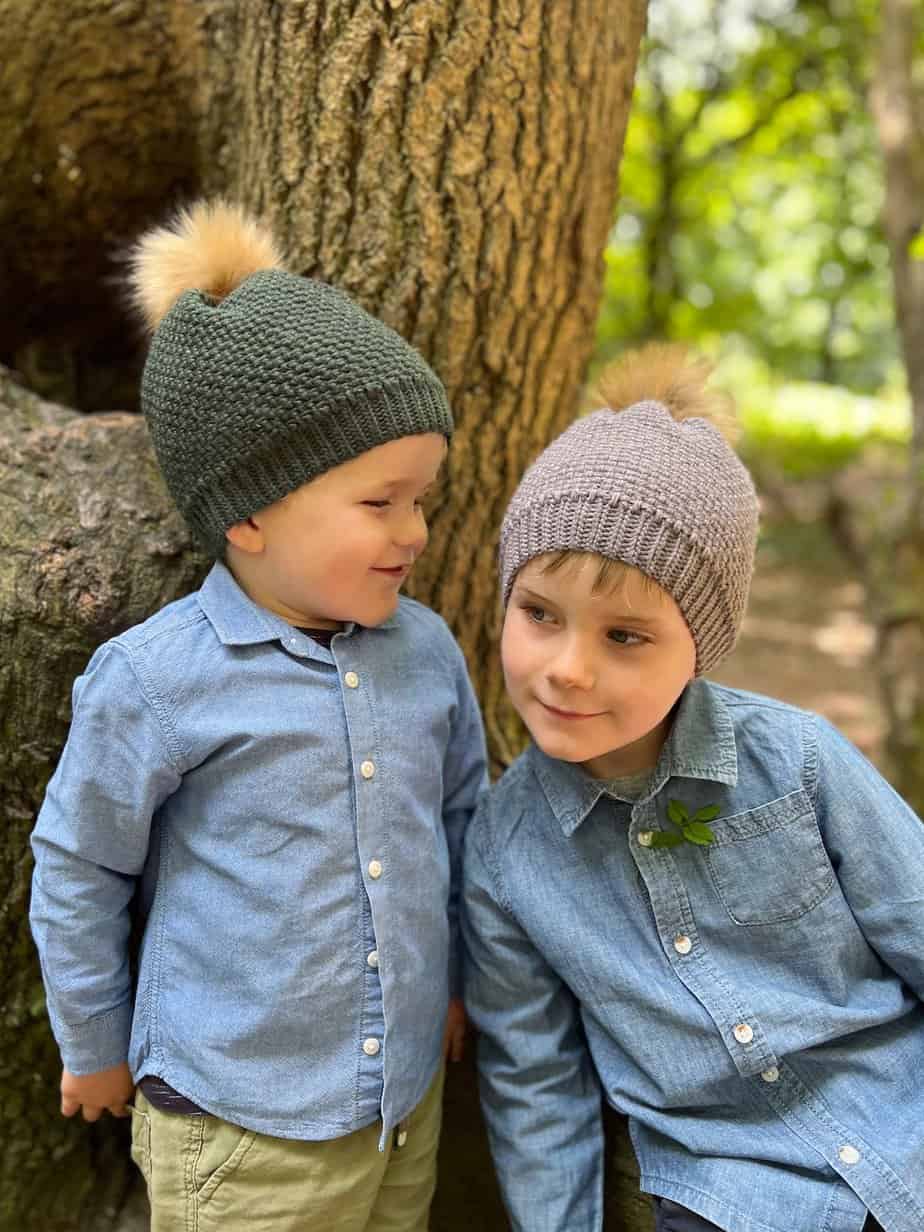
x=753 y=1006
x=292 y=816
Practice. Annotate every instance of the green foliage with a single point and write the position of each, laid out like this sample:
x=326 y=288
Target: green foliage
x=686 y=829
x=807 y=429
x=751 y=189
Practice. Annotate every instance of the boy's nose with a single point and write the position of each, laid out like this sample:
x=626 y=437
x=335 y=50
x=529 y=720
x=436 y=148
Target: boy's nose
x=571 y=670
x=412 y=532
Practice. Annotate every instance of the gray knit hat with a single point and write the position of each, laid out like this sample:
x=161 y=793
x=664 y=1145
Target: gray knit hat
x=258 y=380
x=640 y=486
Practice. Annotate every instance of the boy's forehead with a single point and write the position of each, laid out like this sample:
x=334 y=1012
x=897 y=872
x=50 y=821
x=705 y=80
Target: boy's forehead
x=579 y=576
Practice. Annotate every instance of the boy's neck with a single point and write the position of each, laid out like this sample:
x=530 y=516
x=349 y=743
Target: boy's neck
x=251 y=584
x=634 y=759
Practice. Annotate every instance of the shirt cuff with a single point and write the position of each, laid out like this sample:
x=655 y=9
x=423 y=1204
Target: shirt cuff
x=98 y=1044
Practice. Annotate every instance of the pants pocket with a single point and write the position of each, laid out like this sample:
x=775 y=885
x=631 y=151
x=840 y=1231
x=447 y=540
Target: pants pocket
x=223 y=1149
x=141 y=1142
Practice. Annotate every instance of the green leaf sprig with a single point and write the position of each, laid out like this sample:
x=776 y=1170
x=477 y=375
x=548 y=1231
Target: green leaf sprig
x=686 y=829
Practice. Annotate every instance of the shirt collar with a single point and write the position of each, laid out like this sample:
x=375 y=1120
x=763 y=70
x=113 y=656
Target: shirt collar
x=701 y=745
x=239 y=621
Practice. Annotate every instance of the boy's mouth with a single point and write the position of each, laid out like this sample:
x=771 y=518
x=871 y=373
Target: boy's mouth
x=568 y=714
x=395 y=571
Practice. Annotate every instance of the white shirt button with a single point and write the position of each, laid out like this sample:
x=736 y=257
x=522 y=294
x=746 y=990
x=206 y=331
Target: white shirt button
x=645 y=837
x=402 y=1137
x=375 y=869
x=849 y=1154
x=770 y=1075
x=373 y=958
x=743 y=1033
x=351 y=680
x=367 y=769
x=683 y=944
x=371 y=1047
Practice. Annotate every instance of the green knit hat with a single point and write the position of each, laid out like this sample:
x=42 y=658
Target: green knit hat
x=258 y=380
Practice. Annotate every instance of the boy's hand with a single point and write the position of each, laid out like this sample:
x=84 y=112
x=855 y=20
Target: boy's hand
x=456 y=1027
x=94 y=1094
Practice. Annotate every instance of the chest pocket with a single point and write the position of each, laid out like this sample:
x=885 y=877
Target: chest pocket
x=769 y=865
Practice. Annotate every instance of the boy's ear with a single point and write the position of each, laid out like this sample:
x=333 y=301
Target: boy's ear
x=247 y=536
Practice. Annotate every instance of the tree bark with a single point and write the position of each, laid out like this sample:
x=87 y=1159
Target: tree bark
x=895 y=566
x=453 y=166
x=88 y=546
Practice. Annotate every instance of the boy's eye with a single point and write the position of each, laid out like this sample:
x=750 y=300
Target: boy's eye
x=377 y=504
x=536 y=614
x=622 y=637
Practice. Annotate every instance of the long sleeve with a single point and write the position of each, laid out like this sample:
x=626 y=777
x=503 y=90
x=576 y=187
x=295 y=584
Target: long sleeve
x=90 y=844
x=464 y=779
x=876 y=844
x=540 y=1094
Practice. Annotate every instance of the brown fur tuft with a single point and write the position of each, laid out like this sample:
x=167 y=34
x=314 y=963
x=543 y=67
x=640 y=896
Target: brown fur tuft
x=211 y=247
x=666 y=372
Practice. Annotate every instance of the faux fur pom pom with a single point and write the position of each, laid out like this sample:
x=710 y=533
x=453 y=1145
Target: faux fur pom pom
x=668 y=373
x=211 y=247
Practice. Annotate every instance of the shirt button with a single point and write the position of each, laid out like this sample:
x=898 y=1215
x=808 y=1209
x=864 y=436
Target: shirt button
x=770 y=1075
x=743 y=1033
x=351 y=680
x=849 y=1154
x=402 y=1137
x=683 y=944
x=373 y=959
x=645 y=837
x=375 y=869
x=371 y=1047
x=367 y=769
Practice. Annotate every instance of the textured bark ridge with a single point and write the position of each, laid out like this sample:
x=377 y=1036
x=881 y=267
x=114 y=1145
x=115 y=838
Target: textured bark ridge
x=451 y=164
x=88 y=546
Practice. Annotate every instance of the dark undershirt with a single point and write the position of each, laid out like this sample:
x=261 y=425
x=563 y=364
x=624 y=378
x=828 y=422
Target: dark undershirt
x=157 y=1092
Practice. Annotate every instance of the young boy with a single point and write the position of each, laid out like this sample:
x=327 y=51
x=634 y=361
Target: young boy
x=700 y=904
x=284 y=762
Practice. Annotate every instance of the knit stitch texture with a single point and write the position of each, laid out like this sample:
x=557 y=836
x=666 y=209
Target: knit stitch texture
x=249 y=398
x=669 y=497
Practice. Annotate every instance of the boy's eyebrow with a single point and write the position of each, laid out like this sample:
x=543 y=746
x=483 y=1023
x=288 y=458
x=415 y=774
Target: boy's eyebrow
x=389 y=485
x=624 y=616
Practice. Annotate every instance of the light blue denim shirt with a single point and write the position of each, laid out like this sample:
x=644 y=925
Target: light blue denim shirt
x=754 y=1006
x=295 y=816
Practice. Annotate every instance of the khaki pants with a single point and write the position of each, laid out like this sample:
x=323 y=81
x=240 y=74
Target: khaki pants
x=204 y=1175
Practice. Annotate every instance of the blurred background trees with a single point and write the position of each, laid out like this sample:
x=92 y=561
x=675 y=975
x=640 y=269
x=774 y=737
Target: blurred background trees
x=453 y=165
x=771 y=213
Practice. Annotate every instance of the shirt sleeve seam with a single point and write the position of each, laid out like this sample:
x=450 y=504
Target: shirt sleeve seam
x=159 y=710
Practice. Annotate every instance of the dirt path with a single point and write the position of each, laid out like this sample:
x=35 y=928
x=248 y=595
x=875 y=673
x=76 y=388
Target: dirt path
x=806 y=641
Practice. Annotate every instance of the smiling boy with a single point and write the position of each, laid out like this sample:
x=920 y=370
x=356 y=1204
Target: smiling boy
x=701 y=905
x=281 y=766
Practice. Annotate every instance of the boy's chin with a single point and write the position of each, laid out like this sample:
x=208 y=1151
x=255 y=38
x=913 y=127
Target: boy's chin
x=560 y=749
x=374 y=613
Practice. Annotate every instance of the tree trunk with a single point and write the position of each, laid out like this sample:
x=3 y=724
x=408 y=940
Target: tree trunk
x=89 y=546
x=896 y=569
x=453 y=166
